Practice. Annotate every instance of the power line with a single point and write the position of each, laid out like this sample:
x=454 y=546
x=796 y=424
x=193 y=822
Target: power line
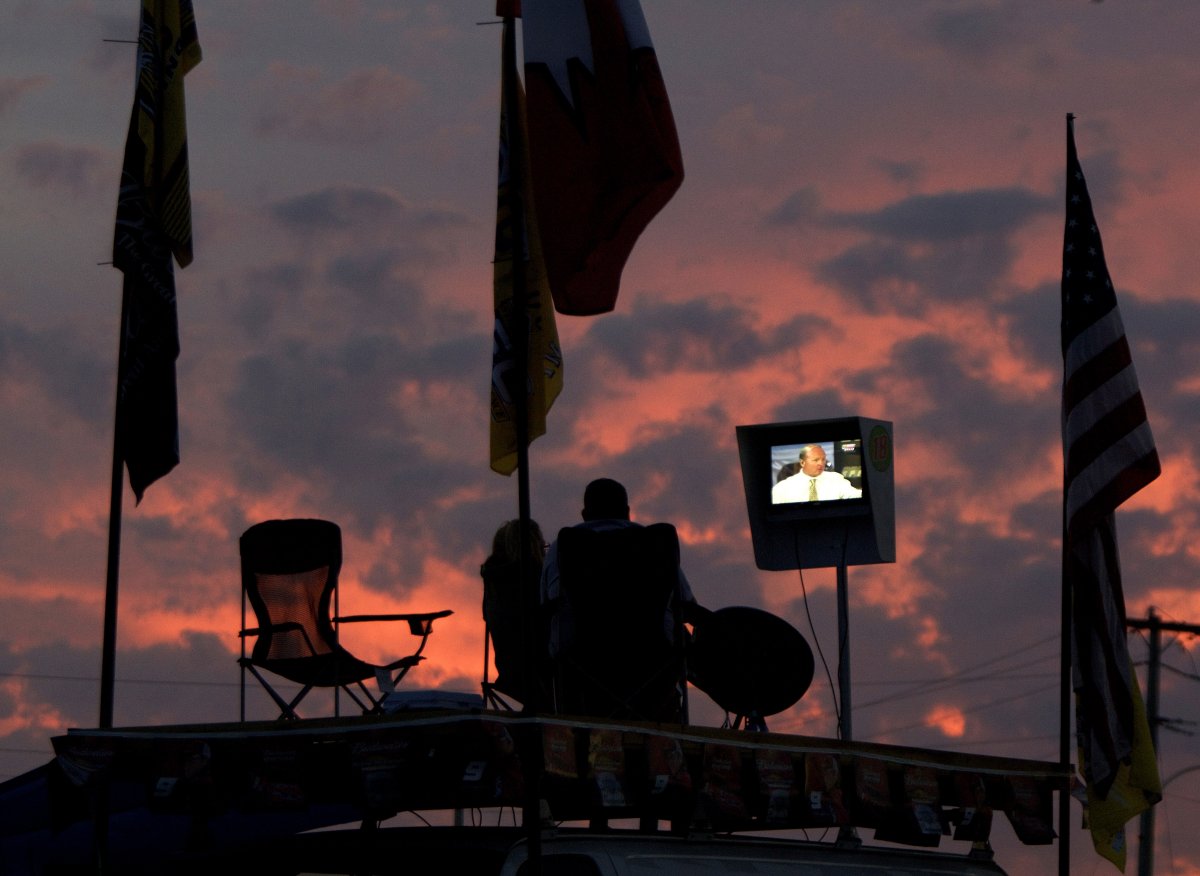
x=965 y=675
x=1189 y=675
x=976 y=708
x=92 y=679
x=976 y=679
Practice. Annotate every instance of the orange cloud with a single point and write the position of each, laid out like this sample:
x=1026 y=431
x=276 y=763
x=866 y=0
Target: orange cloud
x=950 y=720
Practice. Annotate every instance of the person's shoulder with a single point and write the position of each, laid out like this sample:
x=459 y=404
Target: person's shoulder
x=607 y=523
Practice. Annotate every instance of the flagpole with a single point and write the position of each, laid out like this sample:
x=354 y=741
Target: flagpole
x=108 y=648
x=1064 y=719
x=531 y=815
x=1064 y=681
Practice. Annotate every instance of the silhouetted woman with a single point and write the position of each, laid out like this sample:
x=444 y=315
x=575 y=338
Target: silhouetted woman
x=506 y=602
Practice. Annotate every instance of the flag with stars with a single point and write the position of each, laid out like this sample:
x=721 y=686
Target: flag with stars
x=602 y=142
x=1108 y=455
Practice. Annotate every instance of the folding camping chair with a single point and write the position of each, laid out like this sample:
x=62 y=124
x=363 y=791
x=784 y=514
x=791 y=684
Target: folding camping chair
x=619 y=655
x=290 y=579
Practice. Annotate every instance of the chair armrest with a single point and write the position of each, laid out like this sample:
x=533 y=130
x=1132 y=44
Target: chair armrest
x=273 y=628
x=420 y=624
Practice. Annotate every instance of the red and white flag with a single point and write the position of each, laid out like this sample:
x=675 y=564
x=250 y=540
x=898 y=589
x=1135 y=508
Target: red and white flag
x=603 y=148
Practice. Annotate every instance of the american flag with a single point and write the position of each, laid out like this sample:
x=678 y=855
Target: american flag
x=1108 y=455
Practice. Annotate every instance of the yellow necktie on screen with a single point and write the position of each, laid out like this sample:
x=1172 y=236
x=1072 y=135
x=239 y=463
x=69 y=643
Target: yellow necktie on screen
x=812 y=489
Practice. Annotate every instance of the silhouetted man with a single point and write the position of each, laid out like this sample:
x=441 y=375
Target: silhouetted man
x=605 y=507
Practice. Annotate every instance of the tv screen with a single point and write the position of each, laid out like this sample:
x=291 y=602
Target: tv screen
x=819 y=492
x=817 y=471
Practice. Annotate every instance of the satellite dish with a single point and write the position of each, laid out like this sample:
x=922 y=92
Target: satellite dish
x=749 y=661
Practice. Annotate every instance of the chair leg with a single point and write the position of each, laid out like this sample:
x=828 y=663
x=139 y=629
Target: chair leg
x=375 y=704
x=493 y=698
x=287 y=711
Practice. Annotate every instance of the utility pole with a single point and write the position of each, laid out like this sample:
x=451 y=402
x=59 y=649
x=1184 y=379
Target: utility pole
x=1156 y=626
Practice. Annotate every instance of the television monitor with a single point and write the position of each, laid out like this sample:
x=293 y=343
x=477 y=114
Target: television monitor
x=819 y=492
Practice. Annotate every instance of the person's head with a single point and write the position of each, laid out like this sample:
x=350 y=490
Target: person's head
x=605 y=499
x=787 y=470
x=506 y=544
x=812 y=460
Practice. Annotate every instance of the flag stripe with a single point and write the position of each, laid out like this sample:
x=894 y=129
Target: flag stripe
x=1108 y=455
x=1097 y=355
x=1112 y=477
x=1102 y=424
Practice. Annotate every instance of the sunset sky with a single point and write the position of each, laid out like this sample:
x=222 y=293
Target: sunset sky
x=870 y=224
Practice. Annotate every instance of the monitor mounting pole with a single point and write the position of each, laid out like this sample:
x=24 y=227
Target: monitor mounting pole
x=843 y=607
x=848 y=835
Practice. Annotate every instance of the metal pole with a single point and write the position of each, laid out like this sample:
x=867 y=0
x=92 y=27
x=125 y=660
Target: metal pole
x=108 y=648
x=1064 y=665
x=1146 y=831
x=517 y=146
x=1064 y=692
x=1156 y=626
x=843 y=605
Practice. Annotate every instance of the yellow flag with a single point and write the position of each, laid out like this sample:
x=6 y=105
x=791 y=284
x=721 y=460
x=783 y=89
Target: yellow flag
x=542 y=379
x=1135 y=789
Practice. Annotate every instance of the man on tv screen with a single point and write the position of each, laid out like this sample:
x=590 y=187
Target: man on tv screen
x=812 y=483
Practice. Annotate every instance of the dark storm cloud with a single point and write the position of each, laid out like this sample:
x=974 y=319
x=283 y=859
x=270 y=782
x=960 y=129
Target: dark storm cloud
x=331 y=416
x=387 y=294
x=1148 y=561
x=886 y=277
x=57 y=362
x=901 y=171
x=952 y=216
x=79 y=170
x=974 y=33
x=810 y=405
x=800 y=208
x=924 y=249
x=970 y=420
x=276 y=288
x=653 y=337
x=363 y=107
x=303 y=405
x=692 y=465
x=1033 y=319
x=337 y=209
x=1166 y=348
x=358 y=209
x=936 y=219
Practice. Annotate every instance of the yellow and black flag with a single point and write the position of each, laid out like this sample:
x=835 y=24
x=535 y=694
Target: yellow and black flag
x=517 y=239
x=154 y=223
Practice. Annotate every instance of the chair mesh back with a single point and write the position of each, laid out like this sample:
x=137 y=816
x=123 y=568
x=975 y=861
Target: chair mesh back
x=619 y=585
x=289 y=572
x=294 y=599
